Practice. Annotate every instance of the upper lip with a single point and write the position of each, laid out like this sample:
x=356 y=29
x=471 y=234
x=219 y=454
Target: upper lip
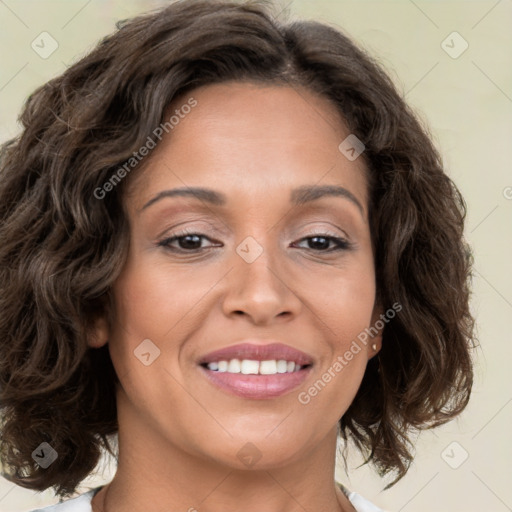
x=258 y=350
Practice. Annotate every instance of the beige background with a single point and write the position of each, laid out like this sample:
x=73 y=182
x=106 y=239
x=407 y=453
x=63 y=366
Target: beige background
x=467 y=103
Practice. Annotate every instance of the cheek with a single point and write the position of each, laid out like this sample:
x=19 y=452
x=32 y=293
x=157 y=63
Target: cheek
x=148 y=304
x=344 y=317
x=138 y=315
x=344 y=303
x=151 y=300
x=154 y=303
x=343 y=299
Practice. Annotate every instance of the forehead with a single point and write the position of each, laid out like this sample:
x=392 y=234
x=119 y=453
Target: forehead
x=256 y=112
x=246 y=136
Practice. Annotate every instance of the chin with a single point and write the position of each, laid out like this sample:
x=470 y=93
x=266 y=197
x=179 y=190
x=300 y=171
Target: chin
x=258 y=453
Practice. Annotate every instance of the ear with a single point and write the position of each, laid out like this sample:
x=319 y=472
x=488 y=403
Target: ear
x=374 y=343
x=98 y=333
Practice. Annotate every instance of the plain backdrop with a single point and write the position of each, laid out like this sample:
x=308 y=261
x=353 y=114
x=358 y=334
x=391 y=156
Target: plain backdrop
x=465 y=98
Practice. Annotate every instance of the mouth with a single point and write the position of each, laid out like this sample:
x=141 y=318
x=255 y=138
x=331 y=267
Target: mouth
x=256 y=371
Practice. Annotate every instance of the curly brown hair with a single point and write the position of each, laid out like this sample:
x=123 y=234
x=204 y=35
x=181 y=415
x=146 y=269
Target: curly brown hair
x=62 y=248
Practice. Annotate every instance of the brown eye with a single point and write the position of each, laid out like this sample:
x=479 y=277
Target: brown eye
x=322 y=243
x=184 y=242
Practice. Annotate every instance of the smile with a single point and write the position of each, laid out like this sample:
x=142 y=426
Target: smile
x=256 y=369
x=255 y=386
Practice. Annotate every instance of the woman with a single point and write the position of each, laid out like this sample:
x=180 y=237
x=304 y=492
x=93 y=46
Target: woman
x=228 y=241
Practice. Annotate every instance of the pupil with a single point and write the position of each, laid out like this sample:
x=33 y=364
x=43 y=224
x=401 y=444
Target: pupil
x=188 y=243
x=323 y=245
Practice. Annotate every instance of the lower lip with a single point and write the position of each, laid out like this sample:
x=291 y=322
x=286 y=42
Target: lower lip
x=257 y=387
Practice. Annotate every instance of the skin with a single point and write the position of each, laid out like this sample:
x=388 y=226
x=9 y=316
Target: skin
x=178 y=434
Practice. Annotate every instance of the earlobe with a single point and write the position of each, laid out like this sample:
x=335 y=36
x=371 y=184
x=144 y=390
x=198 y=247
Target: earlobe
x=99 y=333
x=375 y=345
x=377 y=327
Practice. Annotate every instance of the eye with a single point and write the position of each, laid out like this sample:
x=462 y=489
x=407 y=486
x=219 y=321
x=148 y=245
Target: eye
x=186 y=241
x=322 y=243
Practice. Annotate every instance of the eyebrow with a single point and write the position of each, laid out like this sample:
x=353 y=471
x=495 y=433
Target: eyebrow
x=298 y=197
x=307 y=193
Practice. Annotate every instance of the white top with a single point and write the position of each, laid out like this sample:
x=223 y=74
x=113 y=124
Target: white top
x=82 y=503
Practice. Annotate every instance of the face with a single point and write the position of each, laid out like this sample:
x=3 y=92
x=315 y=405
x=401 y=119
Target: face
x=254 y=261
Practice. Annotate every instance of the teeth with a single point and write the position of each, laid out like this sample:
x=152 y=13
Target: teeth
x=268 y=367
x=249 y=366
x=282 y=365
x=234 y=366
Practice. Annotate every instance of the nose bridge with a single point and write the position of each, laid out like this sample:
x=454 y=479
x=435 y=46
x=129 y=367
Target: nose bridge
x=256 y=264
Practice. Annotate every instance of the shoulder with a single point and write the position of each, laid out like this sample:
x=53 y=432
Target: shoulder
x=81 y=503
x=360 y=504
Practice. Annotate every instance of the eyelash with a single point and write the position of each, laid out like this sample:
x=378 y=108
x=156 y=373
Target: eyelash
x=341 y=243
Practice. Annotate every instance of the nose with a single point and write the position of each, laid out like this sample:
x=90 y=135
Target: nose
x=262 y=291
